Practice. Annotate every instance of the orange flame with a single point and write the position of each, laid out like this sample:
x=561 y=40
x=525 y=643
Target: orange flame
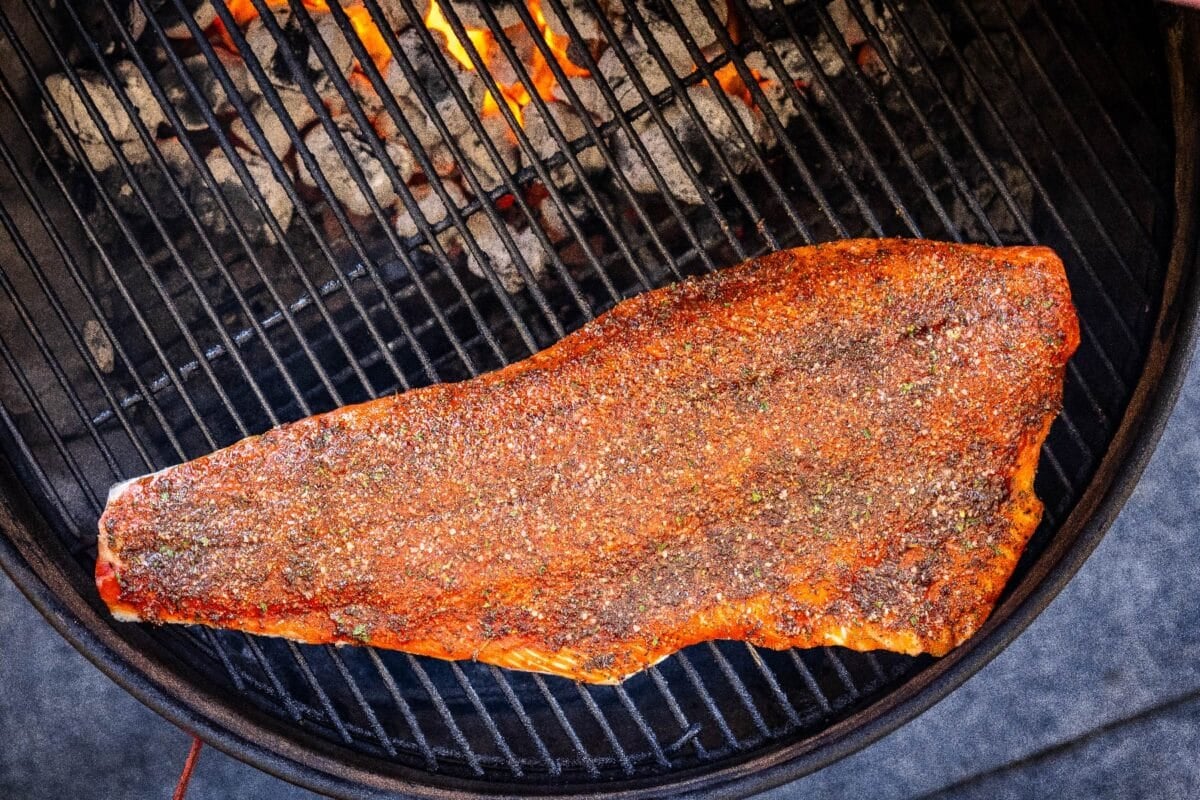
x=516 y=95
x=243 y=12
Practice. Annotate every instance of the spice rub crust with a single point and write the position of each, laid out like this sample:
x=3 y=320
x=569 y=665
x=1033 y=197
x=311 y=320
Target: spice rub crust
x=826 y=445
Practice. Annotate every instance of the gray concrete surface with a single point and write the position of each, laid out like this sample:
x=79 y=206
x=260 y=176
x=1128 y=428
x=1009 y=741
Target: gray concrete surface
x=1099 y=698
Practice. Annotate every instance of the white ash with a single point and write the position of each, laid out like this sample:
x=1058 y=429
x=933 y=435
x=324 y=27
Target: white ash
x=667 y=35
x=477 y=159
x=430 y=205
x=341 y=55
x=338 y=176
x=238 y=197
x=99 y=345
x=471 y=17
x=553 y=221
x=394 y=15
x=103 y=95
x=572 y=129
x=662 y=158
x=622 y=85
x=499 y=259
x=176 y=28
x=738 y=152
x=204 y=75
x=269 y=123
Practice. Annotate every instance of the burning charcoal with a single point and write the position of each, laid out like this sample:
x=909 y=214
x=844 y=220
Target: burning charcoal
x=623 y=88
x=552 y=221
x=572 y=128
x=108 y=105
x=480 y=162
x=472 y=17
x=203 y=74
x=639 y=175
x=430 y=206
x=737 y=151
x=773 y=86
x=340 y=181
x=175 y=28
x=340 y=53
x=264 y=45
x=272 y=128
x=239 y=197
x=584 y=20
x=394 y=15
x=500 y=259
x=696 y=25
x=176 y=157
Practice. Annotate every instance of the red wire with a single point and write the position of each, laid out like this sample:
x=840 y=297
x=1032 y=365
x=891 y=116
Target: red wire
x=188 y=766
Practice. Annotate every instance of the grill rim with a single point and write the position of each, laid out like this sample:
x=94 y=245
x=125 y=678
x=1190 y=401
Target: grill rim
x=32 y=556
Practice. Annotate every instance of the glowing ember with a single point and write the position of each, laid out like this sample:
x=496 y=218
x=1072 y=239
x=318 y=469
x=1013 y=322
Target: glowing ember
x=730 y=81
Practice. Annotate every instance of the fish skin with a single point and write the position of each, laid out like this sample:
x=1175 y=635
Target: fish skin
x=831 y=445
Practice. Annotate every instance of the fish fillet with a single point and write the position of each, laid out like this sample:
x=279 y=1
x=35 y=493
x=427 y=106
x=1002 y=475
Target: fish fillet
x=831 y=445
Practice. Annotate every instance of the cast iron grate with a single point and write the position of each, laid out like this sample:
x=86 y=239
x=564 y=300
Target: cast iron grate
x=132 y=338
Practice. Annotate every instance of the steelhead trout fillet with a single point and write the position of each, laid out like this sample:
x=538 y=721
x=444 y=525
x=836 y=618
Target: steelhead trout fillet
x=831 y=445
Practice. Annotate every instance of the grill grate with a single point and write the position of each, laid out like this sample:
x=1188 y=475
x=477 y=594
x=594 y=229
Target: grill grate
x=132 y=336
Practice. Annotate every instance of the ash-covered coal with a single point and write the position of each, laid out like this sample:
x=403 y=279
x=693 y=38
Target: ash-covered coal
x=257 y=100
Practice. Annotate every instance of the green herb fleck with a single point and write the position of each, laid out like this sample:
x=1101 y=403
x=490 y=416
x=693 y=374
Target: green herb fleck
x=166 y=551
x=262 y=607
x=756 y=496
x=906 y=387
x=360 y=632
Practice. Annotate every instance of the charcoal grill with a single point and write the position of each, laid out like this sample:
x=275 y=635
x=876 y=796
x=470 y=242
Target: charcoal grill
x=163 y=293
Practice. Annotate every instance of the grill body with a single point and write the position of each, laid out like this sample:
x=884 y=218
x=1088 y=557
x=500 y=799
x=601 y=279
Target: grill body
x=136 y=335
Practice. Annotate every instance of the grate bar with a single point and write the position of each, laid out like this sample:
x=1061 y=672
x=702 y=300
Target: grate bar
x=642 y=725
x=589 y=763
x=707 y=699
x=739 y=688
x=314 y=169
x=682 y=97
x=609 y=734
x=410 y=719
x=773 y=682
x=372 y=720
x=49 y=490
x=140 y=192
x=550 y=763
x=1098 y=165
x=310 y=678
x=810 y=682
x=690 y=730
x=488 y=722
x=506 y=179
x=898 y=205
x=445 y=713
